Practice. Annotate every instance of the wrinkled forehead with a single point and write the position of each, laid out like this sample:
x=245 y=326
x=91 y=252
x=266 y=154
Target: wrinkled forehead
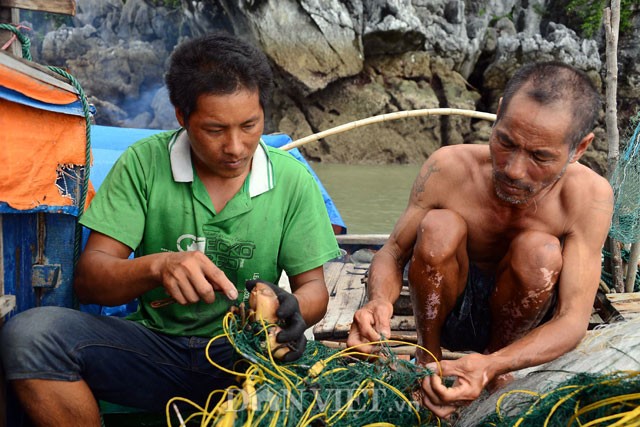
x=527 y=116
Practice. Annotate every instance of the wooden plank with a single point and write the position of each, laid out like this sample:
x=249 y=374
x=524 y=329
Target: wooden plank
x=10 y=16
x=3 y=397
x=7 y=303
x=626 y=303
x=65 y=7
x=403 y=323
x=348 y=294
x=36 y=71
x=332 y=272
x=362 y=239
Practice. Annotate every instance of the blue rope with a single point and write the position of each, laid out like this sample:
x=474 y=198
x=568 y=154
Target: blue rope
x=634 y=143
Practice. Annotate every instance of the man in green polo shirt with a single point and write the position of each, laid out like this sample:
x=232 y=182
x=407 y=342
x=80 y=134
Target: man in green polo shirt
x=205 y=208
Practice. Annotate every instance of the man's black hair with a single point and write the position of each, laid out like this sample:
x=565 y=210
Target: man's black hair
x=217 y=63
x=549 y=82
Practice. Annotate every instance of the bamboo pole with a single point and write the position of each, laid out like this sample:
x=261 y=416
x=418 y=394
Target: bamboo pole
x=388 y=117
x=632 y=267
x=612 y=25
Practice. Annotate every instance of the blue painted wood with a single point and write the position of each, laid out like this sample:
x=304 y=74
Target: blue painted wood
x=19 y=239
x=34 y=243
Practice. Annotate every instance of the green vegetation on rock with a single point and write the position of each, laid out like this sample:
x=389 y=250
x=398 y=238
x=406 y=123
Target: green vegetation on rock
x=591 y=11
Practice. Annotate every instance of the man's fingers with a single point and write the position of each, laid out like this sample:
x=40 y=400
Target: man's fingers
x=428 y=392
x=203 y=290
x=460 y=391
x=432 y=400
x=382 y=324
x=356 y=340
x=219 y=281
x=366 y=324
x=182 y=294
x=441 y=411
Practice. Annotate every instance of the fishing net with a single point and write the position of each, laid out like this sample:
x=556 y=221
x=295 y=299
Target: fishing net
x=596 y=384
x=326 y=387
x=625 y=180
x=584 y=400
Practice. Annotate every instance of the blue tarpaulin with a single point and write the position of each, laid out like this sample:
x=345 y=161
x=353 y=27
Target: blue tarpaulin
x=107 y=143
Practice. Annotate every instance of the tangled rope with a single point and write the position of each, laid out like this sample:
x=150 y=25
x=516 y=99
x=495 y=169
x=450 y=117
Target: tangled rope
x=325 y=387
x=584 y=400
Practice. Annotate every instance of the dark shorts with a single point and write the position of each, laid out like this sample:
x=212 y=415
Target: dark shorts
x=468 y=326
x=122 y=361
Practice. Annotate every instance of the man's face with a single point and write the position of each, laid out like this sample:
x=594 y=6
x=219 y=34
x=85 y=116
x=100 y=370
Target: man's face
x=224 y=131
x=528 y=148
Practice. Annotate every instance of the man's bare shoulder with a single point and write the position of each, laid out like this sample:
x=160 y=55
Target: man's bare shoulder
x=459 y=159
x=455 y=169
x=583 y=190
x=585 y=182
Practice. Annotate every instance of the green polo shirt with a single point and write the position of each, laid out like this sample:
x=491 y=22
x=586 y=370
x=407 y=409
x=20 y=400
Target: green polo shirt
x=153 y=201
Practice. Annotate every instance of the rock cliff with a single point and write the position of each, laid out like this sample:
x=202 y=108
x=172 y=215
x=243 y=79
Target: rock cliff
x=339 y=61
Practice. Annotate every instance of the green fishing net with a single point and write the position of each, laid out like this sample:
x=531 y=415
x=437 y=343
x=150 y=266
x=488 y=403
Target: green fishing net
x=583 y=400
x=325 y=387
x=625 y=180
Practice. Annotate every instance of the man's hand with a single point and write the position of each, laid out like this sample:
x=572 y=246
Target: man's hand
x=288 y=311
x=471 y=376
x=369 y=323
x=189 y=277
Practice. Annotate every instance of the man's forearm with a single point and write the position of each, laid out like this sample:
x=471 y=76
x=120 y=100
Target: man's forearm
x=103 y=279
x=385 y=278
x=543 y=344
x=313 y=299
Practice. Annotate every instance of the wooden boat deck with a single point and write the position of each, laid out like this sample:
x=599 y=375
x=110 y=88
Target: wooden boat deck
x=346 y=283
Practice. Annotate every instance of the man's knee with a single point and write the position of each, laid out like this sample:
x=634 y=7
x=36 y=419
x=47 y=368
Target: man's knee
x=440 y=234
x=536 y=259
x=30 y=333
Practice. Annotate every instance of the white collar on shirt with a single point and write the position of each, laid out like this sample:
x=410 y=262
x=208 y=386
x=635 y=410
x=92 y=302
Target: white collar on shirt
x=261 y=179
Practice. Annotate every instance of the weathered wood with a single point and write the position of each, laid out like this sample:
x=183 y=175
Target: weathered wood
x=347 y=294
x=65 y=7
x=612 y=25
x=3 y=398
x=609 y=349
x=362 y=239
x=7 y=303
x=403 y=305
x=403 y=323
x=9 y=16
x=616 y=265
x=627 y=304
x=632 y=268
x=344 y=282
x=36 y=71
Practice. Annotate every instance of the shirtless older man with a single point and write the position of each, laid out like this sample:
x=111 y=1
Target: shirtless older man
x=504 y=240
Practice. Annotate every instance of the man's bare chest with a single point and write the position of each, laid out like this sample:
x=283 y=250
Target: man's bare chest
x=490 y=231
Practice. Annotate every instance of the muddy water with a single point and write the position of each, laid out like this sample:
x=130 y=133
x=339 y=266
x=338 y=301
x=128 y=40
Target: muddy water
x=370 y=198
